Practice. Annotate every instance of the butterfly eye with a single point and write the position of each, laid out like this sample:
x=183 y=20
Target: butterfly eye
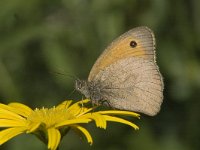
x=133 y=44
x=78 y=84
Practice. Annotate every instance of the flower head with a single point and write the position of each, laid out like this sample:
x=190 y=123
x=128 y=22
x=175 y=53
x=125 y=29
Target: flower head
x=50 y=125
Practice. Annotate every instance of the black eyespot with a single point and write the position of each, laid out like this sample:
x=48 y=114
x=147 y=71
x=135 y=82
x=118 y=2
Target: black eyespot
x=133 y=44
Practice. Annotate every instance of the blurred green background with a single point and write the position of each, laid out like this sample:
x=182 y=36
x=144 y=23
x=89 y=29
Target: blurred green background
x=41 y=38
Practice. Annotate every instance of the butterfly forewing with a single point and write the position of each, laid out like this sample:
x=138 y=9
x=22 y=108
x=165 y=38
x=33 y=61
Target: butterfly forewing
x=121 y=49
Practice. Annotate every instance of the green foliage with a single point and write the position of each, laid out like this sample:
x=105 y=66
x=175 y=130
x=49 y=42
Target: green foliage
x=39 y=39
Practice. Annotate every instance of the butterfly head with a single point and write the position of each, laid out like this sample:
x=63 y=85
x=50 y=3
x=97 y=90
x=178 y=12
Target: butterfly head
x=82 y=87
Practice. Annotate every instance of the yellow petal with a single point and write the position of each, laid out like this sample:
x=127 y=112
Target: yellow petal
x=98 y=118
x=78 y=108
x=85 y=132
x=120 y=120
x=119 y=112
x=3 y=106
x=64 y=105
x=79 y=104
x=75 y=111
x=73 y=121
x=84 y=110
x=7 y=114
x=11 y=123
x=21 y=109
x=32 y=127
x=9 y=133
x=53 y=138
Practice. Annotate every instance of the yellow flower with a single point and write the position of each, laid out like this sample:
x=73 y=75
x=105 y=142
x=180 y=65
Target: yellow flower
x=50 y=125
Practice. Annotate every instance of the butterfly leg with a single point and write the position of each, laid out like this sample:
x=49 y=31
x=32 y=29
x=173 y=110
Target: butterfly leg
x=106 y=102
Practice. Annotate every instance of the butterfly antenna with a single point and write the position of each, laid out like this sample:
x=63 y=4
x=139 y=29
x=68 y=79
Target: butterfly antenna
x=70 y=94
x=64 y=74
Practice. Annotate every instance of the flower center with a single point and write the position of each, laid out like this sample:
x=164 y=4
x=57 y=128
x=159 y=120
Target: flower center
x=49 y=117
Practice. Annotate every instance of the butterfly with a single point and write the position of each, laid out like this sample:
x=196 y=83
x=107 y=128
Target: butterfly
x=126 y=75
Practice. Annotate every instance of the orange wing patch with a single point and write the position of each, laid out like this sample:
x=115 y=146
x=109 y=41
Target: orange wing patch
x=121 y=49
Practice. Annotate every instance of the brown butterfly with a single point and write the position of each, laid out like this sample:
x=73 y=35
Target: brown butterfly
x=126 y=75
